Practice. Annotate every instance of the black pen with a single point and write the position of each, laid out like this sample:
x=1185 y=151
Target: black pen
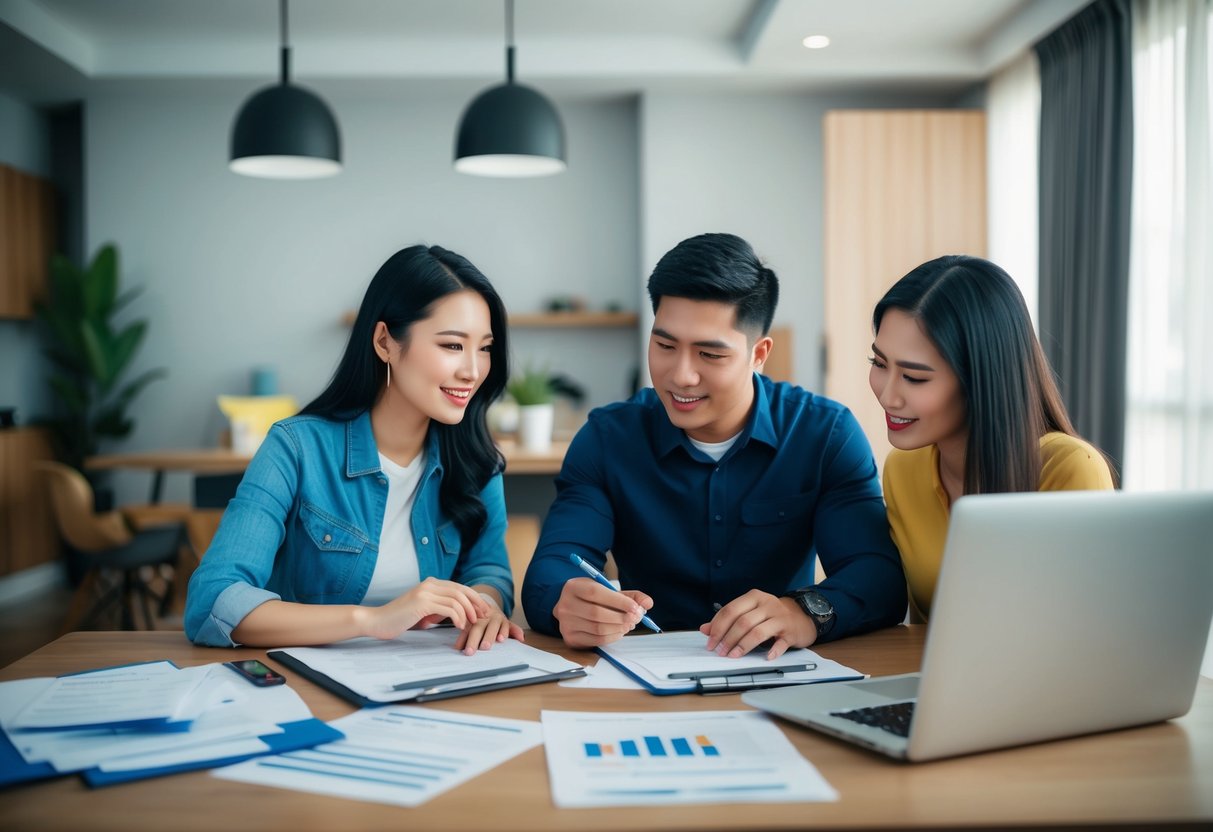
x=742 y=671
x=461 y=677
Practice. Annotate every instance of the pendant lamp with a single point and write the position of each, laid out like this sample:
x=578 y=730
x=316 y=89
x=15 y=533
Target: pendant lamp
x=510 y=129
x=284 y=131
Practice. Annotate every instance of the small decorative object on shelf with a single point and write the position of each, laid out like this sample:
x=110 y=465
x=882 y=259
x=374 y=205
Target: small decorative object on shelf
x=533 y=391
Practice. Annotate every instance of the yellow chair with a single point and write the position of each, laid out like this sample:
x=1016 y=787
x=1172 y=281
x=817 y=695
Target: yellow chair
x=117 y=554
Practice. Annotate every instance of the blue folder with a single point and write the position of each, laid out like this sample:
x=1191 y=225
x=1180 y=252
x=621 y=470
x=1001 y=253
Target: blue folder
x=304 y=733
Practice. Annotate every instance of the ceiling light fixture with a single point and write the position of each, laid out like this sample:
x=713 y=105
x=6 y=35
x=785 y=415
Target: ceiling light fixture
x=284 y=131
x=816 y=42
x=510 y=129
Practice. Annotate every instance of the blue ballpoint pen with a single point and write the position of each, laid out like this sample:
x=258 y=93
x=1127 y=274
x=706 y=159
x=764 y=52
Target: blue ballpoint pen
x=602 y=579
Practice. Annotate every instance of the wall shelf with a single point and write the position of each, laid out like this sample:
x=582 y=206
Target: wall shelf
x=551 y=320
x=556 y=320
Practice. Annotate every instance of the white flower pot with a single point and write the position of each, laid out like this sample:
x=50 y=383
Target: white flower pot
x=535 y=426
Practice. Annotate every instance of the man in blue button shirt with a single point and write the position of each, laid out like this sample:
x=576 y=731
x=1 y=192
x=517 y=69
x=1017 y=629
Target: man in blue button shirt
x=713 y=488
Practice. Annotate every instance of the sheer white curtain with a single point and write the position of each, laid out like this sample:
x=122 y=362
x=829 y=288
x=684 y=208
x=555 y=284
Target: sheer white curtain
x=1012 y=190
x=1169 y=420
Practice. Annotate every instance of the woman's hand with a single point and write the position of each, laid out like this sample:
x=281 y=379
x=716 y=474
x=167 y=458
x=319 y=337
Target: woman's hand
x=489 y=630
x=427 y=603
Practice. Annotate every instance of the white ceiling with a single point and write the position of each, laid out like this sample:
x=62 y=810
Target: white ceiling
x=50 y=48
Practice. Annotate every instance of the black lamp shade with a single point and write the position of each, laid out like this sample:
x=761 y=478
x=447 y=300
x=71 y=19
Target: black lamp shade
x=285 y=132
x=510 y=130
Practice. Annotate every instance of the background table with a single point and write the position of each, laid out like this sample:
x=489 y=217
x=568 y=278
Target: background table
x=1160 y=775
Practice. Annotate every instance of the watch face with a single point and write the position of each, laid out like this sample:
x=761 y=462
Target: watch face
x=817 y=604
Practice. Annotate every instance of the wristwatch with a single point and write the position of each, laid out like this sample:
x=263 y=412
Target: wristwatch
x=817 y=607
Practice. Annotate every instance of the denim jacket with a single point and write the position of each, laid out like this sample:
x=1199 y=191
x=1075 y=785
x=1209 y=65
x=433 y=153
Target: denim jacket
x=304 y=526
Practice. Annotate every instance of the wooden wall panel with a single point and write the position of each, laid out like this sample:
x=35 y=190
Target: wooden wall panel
x=28 y=536
x=26 y=240
x=901 y=187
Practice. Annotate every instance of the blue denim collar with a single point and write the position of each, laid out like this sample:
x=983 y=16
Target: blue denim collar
x=362 y=454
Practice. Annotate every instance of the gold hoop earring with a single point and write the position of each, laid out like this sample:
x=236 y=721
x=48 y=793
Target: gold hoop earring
x=389 y=375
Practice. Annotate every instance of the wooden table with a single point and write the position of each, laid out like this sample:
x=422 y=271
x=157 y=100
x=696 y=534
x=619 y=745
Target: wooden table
x=1161 y=775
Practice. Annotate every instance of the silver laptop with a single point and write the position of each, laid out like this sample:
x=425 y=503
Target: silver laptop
x=1055 y=614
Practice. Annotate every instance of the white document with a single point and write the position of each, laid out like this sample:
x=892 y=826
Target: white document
x=652 y=759
x=150 y=692
x=603 y=676
x=655 y=657
x=372 y=667
x=403 y=755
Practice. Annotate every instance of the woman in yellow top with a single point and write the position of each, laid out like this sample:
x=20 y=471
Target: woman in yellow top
x=970 y=404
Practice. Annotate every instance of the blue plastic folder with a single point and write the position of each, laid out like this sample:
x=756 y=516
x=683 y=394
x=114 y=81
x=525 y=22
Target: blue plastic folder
x=304 y=733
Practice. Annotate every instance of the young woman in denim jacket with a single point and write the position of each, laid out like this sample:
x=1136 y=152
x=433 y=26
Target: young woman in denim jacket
x=378 y=508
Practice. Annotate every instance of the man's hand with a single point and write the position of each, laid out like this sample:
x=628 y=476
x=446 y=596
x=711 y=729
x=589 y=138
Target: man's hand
x=591 y=615
x=748 y=621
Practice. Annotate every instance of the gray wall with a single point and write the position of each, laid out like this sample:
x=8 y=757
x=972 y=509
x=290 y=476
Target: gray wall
x=25 y=145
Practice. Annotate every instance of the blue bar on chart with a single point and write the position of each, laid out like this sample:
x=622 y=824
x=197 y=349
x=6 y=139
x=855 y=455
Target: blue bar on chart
x=593 y=749
x=628 y=747
x=705 y=744
x=655 y=746
x=681 y=747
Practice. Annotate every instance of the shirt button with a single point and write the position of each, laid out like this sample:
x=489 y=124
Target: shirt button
x=718 y=469
x=781 y=514
x=717 y=518
x=425 y=541
x=720 y=563
x=328 y=538
x=382 y=481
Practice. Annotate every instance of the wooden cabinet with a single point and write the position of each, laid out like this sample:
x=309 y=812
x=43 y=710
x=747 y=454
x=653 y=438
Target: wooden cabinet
x=901 y=187
x=28 y=536
x=26 y=240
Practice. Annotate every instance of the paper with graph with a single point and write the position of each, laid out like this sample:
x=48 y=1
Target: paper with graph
x=647 y=759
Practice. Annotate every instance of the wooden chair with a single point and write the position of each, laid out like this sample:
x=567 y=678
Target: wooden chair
x=521 y=537
x=118 y=555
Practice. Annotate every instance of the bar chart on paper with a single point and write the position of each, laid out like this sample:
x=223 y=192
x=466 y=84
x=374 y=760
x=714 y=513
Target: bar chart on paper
x=654 y=746
x=642 y=759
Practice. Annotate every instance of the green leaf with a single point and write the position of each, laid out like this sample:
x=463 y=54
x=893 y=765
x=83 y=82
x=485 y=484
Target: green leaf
x=94 y=349
x=123 y=348
x=126 y=297
x=101 y=283
x=128 y=393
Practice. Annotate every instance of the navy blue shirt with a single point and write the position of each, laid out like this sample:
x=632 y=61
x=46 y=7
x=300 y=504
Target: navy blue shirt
x=694 y=533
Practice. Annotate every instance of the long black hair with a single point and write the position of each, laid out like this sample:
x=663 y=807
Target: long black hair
x=404 y=291
x=976 y=317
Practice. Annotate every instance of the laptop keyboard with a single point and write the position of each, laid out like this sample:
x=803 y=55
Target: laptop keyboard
x=894 y=718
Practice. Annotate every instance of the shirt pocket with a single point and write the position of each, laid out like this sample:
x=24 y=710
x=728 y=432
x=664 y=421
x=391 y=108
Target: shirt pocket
x=771 y=512
x=450 y=544
x=335 y=546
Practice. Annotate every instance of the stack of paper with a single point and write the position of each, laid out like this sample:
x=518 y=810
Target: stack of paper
x=141 y=720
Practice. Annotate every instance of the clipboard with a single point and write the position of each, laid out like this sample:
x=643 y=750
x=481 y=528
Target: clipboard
x=707 y=685
x=354 y=698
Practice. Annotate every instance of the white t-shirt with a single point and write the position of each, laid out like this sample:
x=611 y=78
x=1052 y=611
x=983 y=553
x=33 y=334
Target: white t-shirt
x=397 y=570
x=716 y=450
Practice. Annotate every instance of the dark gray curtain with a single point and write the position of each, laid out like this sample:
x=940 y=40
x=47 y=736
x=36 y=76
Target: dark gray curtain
x=1086 y=158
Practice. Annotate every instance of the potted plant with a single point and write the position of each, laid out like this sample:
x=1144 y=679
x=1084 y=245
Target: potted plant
x=90 y=352
x=533 y=391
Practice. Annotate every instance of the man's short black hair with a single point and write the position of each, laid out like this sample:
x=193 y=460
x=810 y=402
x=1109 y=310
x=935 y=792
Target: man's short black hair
x=721 y=268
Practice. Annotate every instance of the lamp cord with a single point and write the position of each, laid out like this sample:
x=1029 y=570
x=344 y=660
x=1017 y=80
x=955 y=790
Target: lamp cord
x=284 y=38
x=509 y=41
